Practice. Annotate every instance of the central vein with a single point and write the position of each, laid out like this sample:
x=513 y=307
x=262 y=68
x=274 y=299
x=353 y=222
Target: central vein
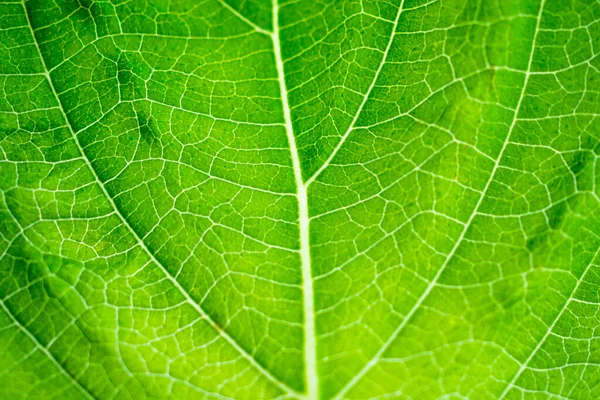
x=310 y=343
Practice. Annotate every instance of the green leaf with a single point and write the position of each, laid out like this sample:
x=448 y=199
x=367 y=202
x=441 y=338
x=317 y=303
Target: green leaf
x=306 y=199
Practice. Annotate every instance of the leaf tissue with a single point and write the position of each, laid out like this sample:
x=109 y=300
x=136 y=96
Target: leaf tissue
x=300 y=199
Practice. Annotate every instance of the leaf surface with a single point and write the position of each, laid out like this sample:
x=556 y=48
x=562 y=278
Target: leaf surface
x=309 y=199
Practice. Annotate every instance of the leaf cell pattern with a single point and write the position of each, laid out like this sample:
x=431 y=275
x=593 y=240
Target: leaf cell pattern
x=309 y=199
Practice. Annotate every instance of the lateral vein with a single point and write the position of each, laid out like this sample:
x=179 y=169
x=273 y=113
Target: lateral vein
x=47 y=352
x=549 y=330
x=450 y=255
x=364 y=101
x=141 y=243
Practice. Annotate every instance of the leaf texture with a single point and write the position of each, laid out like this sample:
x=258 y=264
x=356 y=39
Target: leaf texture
x=246 y=199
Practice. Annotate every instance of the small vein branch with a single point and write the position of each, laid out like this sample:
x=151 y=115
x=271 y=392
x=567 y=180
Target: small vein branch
x=246 y=20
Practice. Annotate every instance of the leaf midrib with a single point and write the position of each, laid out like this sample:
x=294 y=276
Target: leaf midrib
x=310 y=339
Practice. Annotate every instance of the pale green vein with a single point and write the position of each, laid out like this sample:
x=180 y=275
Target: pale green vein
x=267 y=374
x=364 y=101
x=310 y=341
x=246 y=20
x=46 y=352
x=550 y=327
x=375 y=359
